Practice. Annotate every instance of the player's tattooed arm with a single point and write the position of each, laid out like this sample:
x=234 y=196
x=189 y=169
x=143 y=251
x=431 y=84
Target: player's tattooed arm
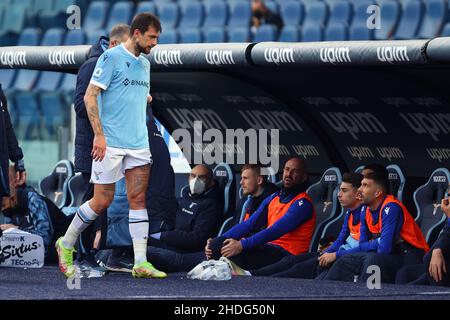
x=90 y=100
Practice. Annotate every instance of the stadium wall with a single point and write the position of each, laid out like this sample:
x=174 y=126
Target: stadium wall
x=336 y=103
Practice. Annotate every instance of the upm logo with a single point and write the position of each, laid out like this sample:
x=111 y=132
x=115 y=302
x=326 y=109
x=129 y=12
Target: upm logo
x=330 y=178
x=392 y=54
x=219 y=57
x=439 y=179
x=167 y=57
x=335 y=55
x=279 y=55
x=13 y=58
x=61 y=57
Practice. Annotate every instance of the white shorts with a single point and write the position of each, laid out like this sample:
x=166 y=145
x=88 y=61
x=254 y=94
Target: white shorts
x=112 y=168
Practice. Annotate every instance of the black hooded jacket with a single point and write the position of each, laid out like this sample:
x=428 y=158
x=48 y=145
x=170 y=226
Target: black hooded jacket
x=84 y=134
x=9 y=146
x=197 y=219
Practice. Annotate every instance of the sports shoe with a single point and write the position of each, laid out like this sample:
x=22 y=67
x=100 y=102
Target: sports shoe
x=119 y=264
x=235 y=269
x=147 y=270
x=65 y=259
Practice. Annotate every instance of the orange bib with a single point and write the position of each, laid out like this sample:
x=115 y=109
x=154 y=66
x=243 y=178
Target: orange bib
x=410 y=231
x=298 y=240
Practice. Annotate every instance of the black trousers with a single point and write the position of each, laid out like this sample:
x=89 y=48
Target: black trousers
x=357 y=264
x=299 y=266
x=255 y=258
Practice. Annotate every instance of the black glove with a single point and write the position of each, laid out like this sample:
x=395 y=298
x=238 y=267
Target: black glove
x=19 y=166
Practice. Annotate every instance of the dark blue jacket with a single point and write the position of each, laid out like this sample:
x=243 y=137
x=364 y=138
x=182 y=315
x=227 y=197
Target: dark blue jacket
x=254 y=204
x=197 y=219
x=160 y=196
x=9 y=146
x=84 y=134
x=443 y=241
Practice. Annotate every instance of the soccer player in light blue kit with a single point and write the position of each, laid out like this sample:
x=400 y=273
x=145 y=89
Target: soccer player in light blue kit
x=116 y=102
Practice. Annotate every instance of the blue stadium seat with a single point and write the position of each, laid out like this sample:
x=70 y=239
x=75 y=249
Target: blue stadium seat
x=214 y=35
x=410 y=20
x=272 y=6
x=341 y=12
x=121 y=12
x=390 y=15
x=12 y=109
x=216 y=14
x=74 y=37
x=223 y=174
x=168 y=14
x=96 y=15
x=93 y=36
x=436 y=15
x=446 y=30
x=68 y=83
x=168 y=36
x=266 y=32
x=191 y=35
x=397 y=181
x=28 y=37
x=192 y=14
x=53 y=113
x=239 y=34
x=316 y=14
x=292 y=12
x=324 y=197
x=29 y=116
x=13 y=24
x=145 y=6
x=77 y=189
x=26 y=79
x=360 y=15
x=427 y=199
x=56 y=15
x=55 y=185
x=336 y=32
x=240 y=14
x=50 y=80
x=360 y=32
x=289 y=34
x=312 y=32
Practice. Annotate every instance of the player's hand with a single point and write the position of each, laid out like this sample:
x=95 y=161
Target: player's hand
x=149 y=99
x=98 y=147
x=208 y=251
x=327 y=258
x=437 y=265
x=231 y=248
x=445 y=206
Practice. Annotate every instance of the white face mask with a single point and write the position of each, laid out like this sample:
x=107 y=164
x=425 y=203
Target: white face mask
x=197 y=186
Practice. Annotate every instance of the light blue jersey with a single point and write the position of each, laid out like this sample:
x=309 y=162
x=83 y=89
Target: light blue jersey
x=125 y=80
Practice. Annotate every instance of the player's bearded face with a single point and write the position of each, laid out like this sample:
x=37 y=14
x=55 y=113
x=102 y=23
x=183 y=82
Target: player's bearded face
x=146 y=41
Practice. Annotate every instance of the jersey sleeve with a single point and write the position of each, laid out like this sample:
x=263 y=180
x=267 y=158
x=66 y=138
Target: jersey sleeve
x=104 y=71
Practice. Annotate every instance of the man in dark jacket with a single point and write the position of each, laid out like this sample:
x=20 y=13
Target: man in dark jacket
x=9 y=149
x=198 y=215
x=29 y=211
x=255 y=188
x=84 y=135
x=437 y=261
